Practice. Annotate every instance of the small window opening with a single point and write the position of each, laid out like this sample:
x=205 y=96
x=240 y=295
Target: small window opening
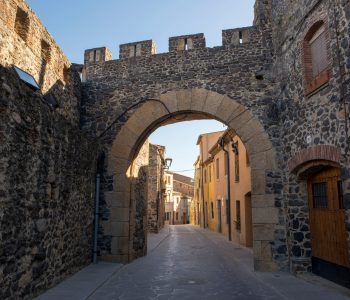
x=212 y=210
x=259 y=77
x=135 y=50
x=22 y=24
x=186 y=44
x=45 y=51
x=236 y=152
x=217 y=168
x=319 y=193
x=241 y=37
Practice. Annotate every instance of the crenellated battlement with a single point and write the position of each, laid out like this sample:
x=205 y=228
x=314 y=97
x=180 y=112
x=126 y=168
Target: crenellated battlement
x=187 y=42
x=96 y=55
x=192 y=42
x=237 y=36
x=142 y=48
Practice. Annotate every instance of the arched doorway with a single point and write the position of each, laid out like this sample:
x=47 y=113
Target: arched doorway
x=192 y=104
x=318 y=168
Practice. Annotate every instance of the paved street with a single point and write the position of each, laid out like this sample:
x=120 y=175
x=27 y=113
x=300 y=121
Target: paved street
x=185 y=262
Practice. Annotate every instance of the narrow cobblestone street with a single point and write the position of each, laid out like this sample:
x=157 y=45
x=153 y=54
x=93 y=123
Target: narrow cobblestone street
x=192 y=263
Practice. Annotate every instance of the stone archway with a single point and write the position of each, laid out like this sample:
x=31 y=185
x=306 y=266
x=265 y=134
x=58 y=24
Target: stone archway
x=199 y=102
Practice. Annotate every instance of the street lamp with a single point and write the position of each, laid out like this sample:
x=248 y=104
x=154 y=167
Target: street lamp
x=167 y=163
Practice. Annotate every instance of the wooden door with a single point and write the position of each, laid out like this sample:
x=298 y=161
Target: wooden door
x=327 y=217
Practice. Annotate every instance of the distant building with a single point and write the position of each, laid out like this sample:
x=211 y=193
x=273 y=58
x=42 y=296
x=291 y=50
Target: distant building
x=178 y=195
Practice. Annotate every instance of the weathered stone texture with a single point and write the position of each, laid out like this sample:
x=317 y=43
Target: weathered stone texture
x=155 y=203
x=236 y=75
x=254 y=83
x=309 y=121
x=26 y=43
x=47 y=170
x=138 y=211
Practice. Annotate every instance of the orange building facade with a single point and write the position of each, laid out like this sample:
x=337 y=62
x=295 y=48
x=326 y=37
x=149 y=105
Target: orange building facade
x=222 y=193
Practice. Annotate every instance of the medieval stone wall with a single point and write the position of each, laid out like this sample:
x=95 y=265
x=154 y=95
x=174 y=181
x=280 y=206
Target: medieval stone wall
x=310 y=120
x=25 y=42
x=156 y=206
x=47 y=170
x=139 y=197
x=240 y=69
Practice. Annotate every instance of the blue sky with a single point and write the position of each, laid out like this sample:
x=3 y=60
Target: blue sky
x=77 y=25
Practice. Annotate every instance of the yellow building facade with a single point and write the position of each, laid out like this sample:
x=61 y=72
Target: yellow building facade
x=223 y=186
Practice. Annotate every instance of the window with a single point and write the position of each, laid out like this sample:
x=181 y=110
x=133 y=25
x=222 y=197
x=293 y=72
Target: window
x=226 y=163
x=22 y=24
x=247 y=161
x=217 y=169
x=210 y=173
x=316 y=57
x=235 y=150
x=238 y=215
x=212 y=210
x=319 y=195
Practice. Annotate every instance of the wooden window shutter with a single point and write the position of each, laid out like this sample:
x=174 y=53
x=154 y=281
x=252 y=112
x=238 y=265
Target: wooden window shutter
x=318 y=47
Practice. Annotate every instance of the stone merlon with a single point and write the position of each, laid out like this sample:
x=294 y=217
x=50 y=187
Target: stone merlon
x=142 y=48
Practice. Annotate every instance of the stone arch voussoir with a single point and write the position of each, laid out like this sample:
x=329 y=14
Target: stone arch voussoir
x=148 y=117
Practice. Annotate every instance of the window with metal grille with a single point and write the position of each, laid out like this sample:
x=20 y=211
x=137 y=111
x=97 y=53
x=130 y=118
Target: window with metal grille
x=319 y=195
x=318 y=49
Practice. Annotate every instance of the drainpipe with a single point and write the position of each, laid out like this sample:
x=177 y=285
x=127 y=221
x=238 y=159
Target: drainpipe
x=97 y=203
x=222 y=145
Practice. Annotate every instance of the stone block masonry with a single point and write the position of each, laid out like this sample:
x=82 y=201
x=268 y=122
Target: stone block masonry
x=47 y=170
x=255 y=83
x=26 y=43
